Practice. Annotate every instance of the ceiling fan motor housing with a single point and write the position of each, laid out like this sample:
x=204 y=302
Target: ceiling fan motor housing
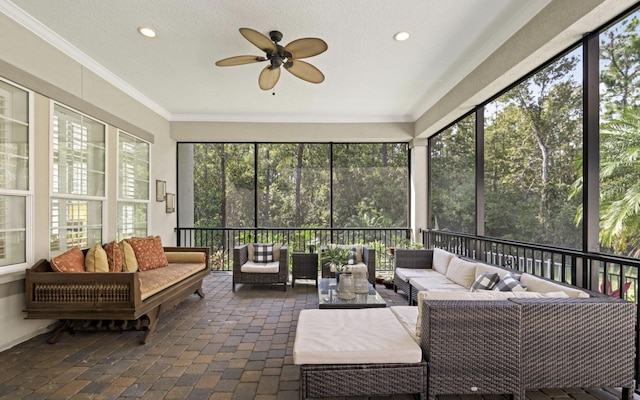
x=276 y=36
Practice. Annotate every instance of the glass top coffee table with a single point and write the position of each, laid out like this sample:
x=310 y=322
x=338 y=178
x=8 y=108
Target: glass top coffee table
x=328 y=297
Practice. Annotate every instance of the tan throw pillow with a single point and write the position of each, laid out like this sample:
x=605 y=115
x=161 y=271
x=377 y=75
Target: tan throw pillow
x=149 y=252
x=114 y=256
x=71 y=260
x=96 y=260
x=129 y=262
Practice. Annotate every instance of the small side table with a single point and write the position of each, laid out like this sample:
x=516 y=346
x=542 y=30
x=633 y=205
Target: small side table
x=304 y=266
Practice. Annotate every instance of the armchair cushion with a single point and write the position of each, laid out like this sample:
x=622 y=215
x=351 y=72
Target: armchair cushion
x=261 y=268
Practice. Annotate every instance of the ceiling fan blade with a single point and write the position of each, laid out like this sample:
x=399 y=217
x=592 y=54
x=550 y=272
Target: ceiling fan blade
x=239 y=60
x=306 y=47
x=304 y=71
x=268 y=77
x=258 y=39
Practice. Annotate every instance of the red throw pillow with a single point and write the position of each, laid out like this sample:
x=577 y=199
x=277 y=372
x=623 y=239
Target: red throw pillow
x=114 y=256
x=149 y=252
x=71 y=260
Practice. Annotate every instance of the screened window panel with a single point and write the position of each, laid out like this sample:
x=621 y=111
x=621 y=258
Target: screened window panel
x=533 y=136
x=370 y=185
x=13 y=230
x=14 y=138
x=78 y=145
x=75 y=223
x=619 y=138
x=453 y=180
x=132 y=220
x=14 y=174
x=133 y=177
x=293 y=184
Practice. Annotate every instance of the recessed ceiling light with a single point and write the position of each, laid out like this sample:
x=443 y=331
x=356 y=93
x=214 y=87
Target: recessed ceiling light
x=401 y=36
x=148 y=32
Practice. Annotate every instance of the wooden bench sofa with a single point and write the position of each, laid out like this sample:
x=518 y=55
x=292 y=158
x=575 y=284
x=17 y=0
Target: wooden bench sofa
x=114 y=300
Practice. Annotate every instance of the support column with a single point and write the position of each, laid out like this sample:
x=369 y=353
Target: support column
x=419 y=187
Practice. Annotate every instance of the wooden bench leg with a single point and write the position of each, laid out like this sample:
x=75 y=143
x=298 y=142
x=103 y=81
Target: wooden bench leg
x=153 y=316
x=64 y=325
x=200 y=293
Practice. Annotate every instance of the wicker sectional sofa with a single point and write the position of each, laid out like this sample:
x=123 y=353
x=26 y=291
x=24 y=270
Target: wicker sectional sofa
x=468 y=347
x=114 y=300
x=485 y=342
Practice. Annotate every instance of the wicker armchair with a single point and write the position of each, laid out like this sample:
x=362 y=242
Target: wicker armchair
x=368 y=258
x=241 y=256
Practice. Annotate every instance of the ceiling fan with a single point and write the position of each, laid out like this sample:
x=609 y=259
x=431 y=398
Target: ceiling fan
x=288 y=56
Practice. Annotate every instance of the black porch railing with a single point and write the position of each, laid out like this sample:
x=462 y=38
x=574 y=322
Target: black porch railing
x=604 y=273
x=221 y=241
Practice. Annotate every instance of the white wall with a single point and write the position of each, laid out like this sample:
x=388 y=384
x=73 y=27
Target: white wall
x=32 y=63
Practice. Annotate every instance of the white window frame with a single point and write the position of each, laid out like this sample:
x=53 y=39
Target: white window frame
x=119 y=199
x=27 y=194
x=64 y=196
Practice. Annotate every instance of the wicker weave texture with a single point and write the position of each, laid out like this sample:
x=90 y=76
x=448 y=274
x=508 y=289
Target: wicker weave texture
x=362 y=380
x=577 y=343
x=472 y=347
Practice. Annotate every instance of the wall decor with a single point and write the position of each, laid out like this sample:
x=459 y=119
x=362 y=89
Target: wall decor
x=161 y=190
x=171 y=202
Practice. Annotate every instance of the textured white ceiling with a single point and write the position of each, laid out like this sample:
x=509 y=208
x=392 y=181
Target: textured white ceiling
x=369 y=76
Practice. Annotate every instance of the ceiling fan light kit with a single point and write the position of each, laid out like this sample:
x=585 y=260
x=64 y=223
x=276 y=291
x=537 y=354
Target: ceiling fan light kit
x=278 y=56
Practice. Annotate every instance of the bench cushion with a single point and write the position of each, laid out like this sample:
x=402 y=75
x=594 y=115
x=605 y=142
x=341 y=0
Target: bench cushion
x=441 y=259
x=363 y=336
x=438 y=284
x=155 y=280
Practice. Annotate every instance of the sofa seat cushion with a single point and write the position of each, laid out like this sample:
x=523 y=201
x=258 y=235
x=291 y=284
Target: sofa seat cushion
x=362 y=336
x=406 y=273
x=156 y=280
x=438 y=284
x=536 y=284
x=408 y=316
x=352 y=267
x=261 y=268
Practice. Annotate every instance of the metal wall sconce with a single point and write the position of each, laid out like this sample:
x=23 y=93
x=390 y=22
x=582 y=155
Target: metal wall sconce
x=171 y=203
x=161 y=190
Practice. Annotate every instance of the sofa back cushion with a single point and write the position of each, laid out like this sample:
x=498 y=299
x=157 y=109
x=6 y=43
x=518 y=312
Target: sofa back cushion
x=71 y=260
x=482 y=268
x=461 y=271
x=149 y=252
x=114 y=256
x=96 y=260
x=441 y=259
x=536 y=284
x=129 y=262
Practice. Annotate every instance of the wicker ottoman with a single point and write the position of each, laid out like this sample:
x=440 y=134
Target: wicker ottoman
x=363 y=352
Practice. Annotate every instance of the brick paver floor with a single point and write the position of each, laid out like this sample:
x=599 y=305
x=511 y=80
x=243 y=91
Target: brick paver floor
x=232 y=346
